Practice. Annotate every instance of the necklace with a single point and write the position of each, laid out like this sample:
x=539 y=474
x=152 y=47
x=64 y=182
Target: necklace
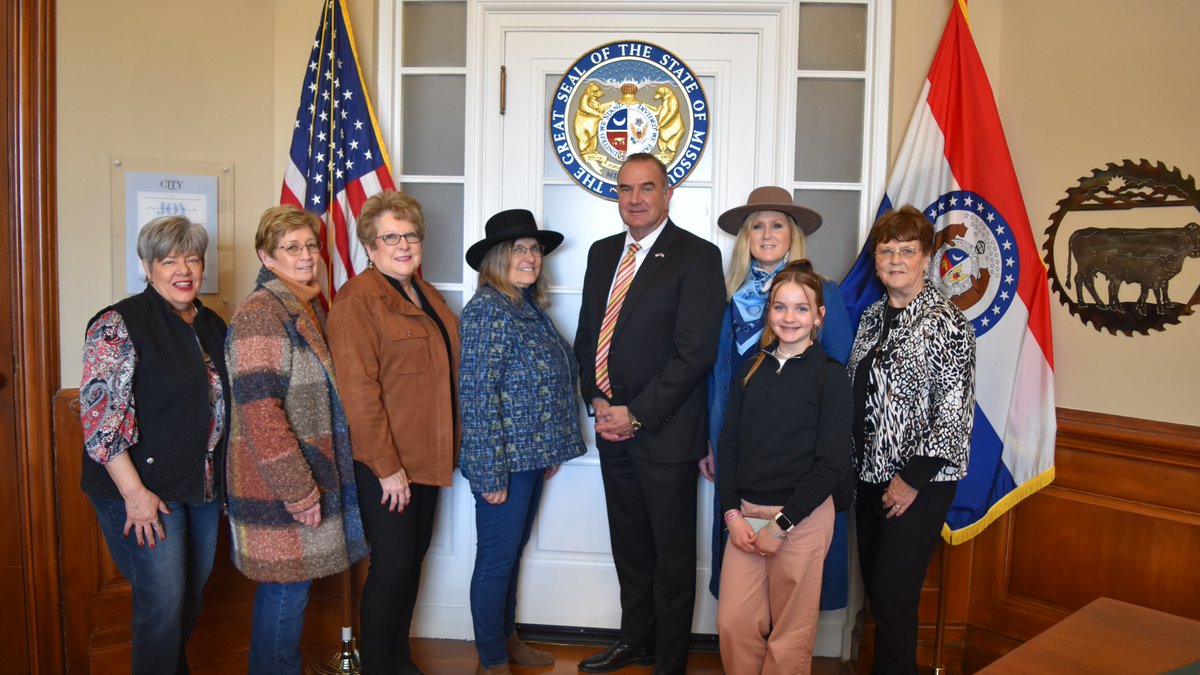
x=783 y=357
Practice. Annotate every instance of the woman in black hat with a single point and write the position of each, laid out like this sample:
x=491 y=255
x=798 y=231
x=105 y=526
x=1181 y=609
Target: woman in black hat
x=770 y=229
x=520 y=420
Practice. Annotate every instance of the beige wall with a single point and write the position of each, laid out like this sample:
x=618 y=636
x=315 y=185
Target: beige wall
x=1104 y=81
x=212 y=81
x=1078 y=82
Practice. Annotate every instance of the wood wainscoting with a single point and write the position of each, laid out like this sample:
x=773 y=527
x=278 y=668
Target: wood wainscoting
x=1121 y=520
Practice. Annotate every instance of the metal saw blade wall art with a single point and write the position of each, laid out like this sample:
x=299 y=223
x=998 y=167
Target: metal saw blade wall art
x=1123 y=249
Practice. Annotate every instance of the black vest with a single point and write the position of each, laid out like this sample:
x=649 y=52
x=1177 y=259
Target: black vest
x=171 y=394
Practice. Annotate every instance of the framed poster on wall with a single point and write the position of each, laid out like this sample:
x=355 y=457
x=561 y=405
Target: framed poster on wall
x=145 y=189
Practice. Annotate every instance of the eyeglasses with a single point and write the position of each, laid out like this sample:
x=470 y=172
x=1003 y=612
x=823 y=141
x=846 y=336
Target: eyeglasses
x=537 y=250
x=906 y=253
x=393 y=238
x=296 y=248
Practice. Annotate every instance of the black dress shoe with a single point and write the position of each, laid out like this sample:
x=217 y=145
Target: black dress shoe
x=616 y=657
x=405 y=666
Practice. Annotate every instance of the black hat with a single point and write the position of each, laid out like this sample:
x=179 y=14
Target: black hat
x=510 y=225
x=770 y=198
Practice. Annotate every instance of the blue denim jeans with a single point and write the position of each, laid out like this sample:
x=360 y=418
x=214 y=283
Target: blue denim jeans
x=276 y=627
x=166 y=581
x=502 y=530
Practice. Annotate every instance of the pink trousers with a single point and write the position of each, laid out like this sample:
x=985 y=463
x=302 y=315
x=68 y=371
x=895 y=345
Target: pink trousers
x=767 y=614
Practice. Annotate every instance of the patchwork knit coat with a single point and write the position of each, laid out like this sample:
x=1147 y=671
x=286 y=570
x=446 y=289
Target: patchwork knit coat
x=289 y=446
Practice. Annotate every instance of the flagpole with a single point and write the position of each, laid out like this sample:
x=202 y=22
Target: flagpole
x=345 y=661
x=939 y=631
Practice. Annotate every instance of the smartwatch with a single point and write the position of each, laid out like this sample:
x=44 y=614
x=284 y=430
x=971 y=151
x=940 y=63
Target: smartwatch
x=782 y=522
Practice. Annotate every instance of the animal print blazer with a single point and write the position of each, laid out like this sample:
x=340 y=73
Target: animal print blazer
x=921 y=391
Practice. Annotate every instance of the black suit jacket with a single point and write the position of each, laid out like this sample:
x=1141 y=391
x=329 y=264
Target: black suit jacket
x=664 y=342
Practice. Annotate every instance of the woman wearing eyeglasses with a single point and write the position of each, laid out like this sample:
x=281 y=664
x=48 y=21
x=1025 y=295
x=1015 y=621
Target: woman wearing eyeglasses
x=293 y=508
x=912 y=371
x=520 y=421
x=395 y=344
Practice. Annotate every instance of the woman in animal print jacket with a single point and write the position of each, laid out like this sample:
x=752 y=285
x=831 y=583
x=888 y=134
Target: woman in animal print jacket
x=912 y=370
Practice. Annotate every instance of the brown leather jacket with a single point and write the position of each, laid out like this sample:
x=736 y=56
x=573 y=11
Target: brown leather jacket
x=395 y=378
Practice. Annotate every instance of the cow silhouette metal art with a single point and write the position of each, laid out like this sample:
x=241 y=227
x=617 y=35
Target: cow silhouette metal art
x=1136 y=249
x=1150 y=257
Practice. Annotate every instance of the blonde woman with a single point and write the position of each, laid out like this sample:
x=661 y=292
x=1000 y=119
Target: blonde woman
x=770 y=229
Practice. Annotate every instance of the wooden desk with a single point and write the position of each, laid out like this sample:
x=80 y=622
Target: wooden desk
x=1107 y=636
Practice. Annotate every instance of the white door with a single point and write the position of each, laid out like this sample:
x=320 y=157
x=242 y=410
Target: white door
x=568 y=574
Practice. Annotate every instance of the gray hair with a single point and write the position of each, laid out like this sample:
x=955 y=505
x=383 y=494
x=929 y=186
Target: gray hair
x=493 y=271
x=163 y=236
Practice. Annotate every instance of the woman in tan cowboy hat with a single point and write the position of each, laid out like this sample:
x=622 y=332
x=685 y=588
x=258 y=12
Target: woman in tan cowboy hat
x=770 y=229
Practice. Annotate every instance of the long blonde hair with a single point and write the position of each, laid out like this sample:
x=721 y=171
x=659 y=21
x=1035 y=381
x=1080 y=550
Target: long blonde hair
x=798 y=272
x=739 y=262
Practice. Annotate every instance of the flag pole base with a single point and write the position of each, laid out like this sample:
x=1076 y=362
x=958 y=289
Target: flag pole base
x=345 y=662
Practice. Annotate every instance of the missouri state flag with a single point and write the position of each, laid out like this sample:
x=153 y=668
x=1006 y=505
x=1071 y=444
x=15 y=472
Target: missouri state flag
x=337 y=158
x=954 y=165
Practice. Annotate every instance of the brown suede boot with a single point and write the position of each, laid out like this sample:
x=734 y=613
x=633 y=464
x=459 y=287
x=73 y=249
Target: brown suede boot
x=501 y=669
x=524 y=655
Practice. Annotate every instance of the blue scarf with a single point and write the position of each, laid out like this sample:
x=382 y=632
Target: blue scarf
x=747 y=306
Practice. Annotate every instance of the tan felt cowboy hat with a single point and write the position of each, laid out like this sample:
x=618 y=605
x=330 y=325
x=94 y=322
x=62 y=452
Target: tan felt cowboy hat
x=770 y=198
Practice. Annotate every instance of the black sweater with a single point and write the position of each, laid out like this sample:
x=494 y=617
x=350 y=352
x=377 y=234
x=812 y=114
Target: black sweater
x=785 y=442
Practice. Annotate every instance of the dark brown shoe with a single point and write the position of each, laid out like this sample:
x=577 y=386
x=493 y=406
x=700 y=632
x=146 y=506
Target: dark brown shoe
x=524 y=655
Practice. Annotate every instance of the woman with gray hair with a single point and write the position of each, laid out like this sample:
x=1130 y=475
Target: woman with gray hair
x=154 y=401
x=520 y=421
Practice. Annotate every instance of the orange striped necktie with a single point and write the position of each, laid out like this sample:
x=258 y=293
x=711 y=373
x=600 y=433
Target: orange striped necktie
x=619 y=290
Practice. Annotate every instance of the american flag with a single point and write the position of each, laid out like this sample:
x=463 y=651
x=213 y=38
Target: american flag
x=337 y=159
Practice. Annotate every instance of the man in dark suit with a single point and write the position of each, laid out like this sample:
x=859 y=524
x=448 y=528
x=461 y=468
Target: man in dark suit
x=648 y=330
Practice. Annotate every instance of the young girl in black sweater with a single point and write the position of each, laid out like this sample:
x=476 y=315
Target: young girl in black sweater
x=783 y=450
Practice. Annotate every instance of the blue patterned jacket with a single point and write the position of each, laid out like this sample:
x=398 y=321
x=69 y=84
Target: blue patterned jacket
x=517 y=386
